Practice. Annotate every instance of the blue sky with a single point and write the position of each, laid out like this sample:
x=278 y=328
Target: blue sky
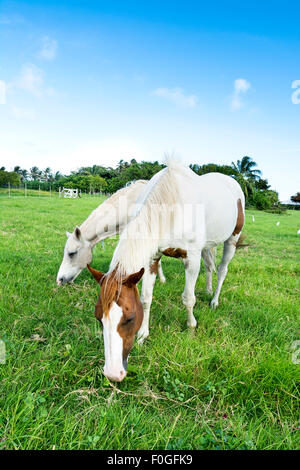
x=85 y=82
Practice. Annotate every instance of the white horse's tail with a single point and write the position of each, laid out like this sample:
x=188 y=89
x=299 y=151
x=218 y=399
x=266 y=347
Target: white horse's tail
x=240 y=243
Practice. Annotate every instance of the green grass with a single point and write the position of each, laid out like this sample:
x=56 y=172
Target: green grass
x=230 y=385
x=13 y=192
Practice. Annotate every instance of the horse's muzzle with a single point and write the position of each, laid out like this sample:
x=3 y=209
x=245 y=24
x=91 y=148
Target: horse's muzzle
x=63 y=280
x=116 y=377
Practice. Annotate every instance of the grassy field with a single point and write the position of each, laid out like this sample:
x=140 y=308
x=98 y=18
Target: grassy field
x=230 y=385
x=4 y=192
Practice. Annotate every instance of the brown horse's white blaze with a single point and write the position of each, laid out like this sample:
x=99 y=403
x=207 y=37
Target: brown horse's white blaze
x=120 y=312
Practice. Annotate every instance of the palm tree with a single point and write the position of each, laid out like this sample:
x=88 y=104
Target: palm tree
x=47 y=174
x=23 y=175
x=57 y=176
x=246 y=184
x=35 y=173
x=245 y=168
x=122 y=165
x=17 y=169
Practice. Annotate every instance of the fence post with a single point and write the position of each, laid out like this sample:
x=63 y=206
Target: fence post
x=8 y=189
x=25 y=189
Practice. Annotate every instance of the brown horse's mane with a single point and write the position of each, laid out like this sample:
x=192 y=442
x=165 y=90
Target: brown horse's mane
x=110 y=290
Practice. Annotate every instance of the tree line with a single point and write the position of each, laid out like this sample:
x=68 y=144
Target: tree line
x=98 y=178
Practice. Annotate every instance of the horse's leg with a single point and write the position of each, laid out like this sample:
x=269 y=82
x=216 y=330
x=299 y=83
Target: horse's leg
x=208 y=256
x=146 y=299
x=161 y=273
x=192 y=267
x=228 y=254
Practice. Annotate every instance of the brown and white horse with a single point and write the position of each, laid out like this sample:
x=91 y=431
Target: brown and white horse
x=120 y=311
x=181 y=215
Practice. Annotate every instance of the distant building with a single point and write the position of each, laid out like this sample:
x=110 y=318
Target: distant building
x=290 y=203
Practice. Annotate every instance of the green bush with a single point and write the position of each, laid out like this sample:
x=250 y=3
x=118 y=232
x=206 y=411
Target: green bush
x=9 y=177
x=263 y=200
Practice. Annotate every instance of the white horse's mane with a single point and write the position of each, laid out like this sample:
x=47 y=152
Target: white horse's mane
x=106 y=205
x=140 y=238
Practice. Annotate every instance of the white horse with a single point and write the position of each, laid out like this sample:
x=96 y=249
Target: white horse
x=107 y=220
x=181 y=214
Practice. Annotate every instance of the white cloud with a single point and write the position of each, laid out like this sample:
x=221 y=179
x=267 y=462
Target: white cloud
x=296 y=94
x=23 y=113
x=241 y=85
x=177 y=96
x=49 y=48
x=2 y=92
x=31 y=80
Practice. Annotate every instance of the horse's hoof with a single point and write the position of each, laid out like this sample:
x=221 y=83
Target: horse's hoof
x=214 y=304
x=192 y=324
x=162 y=279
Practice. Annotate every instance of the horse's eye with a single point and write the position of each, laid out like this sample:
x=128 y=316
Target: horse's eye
x=72 y=254
x=128 y=320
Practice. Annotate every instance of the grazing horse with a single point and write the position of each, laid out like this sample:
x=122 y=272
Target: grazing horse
x=181 y=215
x=107 y=220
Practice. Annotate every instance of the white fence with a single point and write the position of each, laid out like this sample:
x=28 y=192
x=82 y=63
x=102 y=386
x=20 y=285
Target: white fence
x=68 y=193
x=8 y=190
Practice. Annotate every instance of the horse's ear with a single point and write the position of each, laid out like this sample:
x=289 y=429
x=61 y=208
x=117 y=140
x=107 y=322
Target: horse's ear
x=77 y=233
x=68 y=234
x=98 y=275
x=133 y=278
